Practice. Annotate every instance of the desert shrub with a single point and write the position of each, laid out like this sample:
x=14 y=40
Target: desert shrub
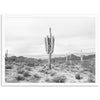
x=59 y=79
x=31 y=64
x=20 y=59
x=91 y=81
x=45 y=71
x=42 y=70
x=91 y=78
x=78 y=76
x=89 y=65
x=26 y=74
x=52 y=74
x=85 y=64
x=12 y=59
x=22 y=64
x=35 y=78
x=10 y=80
x=73 y=57
x=91 y=70
x=75 y=62
x=20 y=78
x=48 y=80
x=59 y=60
x=28 y=68
x=8 y=66
x=20 y=71
x=89 y=57
x=40 y=61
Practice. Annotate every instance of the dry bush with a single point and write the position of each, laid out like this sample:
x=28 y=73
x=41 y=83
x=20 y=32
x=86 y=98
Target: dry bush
x=20 y=78
x=30 y=63
x=8 y=66
x=26 y=74
x=21 y=71
x=91 y=78
x=12 y=59
x=53 y=74
x=28 y=69
x=45 y=71
x=48 y=80
x=35 y=78
x=78 y=76
x=20 y=59
x=59 y=79
x=89 y=65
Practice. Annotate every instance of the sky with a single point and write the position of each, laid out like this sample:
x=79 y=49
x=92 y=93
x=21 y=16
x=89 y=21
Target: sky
x=25 y=35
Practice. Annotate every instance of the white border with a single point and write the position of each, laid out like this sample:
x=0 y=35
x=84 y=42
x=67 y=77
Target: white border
x=3 y=83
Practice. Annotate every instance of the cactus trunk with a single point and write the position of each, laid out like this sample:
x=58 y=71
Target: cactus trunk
x=49 y=60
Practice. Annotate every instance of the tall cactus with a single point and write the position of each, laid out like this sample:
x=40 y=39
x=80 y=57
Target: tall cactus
x=49 y=46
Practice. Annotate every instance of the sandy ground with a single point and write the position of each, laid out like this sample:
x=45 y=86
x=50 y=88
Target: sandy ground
x=61 y=73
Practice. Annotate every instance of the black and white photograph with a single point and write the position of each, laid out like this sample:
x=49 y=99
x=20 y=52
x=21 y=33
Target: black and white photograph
x=49 y=49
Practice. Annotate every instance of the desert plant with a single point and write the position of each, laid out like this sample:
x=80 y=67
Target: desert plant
x=20 y=78
x=20 y=59
x=6 y=54
x=12 y=59
x=35 y=78
x=20 y=71
x=59 y=79
x=30 y=63
x=78 y=76
x=8 y=66
x=49 y=45
x=27 y=74
x=89 y=65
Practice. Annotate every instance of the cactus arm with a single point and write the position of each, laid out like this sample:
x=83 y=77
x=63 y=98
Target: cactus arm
x=46 y=47
x=52 y=44
x=47 y=44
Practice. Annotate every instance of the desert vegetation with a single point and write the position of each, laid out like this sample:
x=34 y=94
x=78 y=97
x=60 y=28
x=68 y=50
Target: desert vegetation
x=23 y=69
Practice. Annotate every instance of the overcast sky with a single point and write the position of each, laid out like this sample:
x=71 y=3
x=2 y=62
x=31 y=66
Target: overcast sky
x=25 y=36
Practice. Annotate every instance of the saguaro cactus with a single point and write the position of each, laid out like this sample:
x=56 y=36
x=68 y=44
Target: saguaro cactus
x=49 y=46
x=6 y=54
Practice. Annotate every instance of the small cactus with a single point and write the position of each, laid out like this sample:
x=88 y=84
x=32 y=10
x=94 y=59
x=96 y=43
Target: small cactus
x=66 y=57
x=49 y=46
x=81 y=57
x=6 y=54
x=70 y=60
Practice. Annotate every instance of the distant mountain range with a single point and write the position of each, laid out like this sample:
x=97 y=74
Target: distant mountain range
x=53 y=56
